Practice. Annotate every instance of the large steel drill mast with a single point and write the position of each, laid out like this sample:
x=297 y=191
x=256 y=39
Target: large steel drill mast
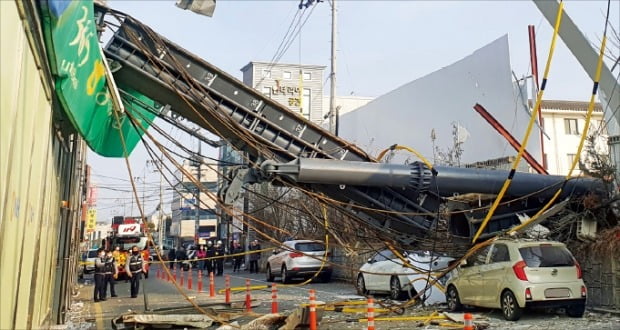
x=299 y=151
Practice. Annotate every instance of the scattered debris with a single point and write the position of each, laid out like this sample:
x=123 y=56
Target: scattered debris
x=266 y=322
x=135 y=320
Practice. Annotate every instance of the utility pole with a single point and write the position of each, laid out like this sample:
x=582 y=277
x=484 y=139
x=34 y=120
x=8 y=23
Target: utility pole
x=332 y=76
x=199 y=161
x=160 y=234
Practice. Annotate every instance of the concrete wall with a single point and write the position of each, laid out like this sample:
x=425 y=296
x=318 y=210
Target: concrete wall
x=602 y=277
x=409 y=115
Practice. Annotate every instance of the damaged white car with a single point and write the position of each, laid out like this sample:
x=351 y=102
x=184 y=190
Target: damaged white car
x=385 y=272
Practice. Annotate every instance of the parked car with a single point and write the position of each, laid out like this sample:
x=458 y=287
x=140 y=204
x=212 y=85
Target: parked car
x=89 y=265
x=294 y=260
x=513 y=274
x=400 y=281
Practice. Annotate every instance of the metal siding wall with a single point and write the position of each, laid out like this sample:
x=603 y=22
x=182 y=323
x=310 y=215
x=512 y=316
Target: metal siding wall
x=30 y=174
x=11 y=48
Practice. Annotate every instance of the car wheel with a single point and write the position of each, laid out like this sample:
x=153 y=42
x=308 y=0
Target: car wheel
x=269 y=274
x=285 y=277
x=510 y=306
x=453 y=300
x=325 y=277
x=361 y=285
x=395 y=290
x=576 y=310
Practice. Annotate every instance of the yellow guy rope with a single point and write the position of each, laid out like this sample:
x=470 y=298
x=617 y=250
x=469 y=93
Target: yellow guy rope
x=411 y=150
x=530 y=125
x=597 y=77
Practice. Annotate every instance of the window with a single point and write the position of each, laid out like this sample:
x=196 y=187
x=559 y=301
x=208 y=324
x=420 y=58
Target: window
x=286 y=75
x=267 y=91
x=594 y=126
x=307 y=76
x=500 y=253
x=570 y=127
x=478 y=258
x=310 y=247
x=383 y=256
x=305 y=103
x=571 y=159
x=546 y=255
x=266 y=74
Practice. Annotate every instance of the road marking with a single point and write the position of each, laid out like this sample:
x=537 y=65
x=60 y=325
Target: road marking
x=99 y=316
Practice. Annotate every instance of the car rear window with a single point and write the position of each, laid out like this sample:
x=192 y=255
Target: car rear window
x=546 y=256
x=92 y=254
x=310 y=247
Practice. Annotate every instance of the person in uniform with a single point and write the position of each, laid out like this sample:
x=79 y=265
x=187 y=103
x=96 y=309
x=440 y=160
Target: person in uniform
x=134 y=268
x=238 y=258
x=172 y=256
x=99 y=293
x=111 y=273
x=210 y=254
x=254 y=257
x=219 y=262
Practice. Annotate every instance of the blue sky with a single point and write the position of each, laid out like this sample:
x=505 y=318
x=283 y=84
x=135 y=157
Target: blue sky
x=381 y=45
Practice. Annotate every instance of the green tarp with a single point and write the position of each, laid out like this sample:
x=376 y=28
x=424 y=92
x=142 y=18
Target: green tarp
x=74 y=54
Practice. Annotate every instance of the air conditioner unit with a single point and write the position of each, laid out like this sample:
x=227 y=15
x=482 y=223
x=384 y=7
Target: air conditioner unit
x=586 y=229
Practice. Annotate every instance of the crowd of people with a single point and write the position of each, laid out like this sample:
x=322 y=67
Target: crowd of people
x=209 y=258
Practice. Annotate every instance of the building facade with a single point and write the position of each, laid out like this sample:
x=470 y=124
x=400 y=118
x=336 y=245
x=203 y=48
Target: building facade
x=299 y=87
x=193 y=211
x=563 y=122
x=43 y=174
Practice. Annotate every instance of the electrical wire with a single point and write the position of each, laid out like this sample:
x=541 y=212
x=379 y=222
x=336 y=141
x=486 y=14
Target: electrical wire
x=584 y=134
x=530 y=125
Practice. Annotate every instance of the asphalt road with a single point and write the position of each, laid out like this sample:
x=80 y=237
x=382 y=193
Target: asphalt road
x=161 y=294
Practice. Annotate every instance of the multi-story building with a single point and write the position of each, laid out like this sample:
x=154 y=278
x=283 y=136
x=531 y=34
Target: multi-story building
x=563 y=122
x=299 y=87
x=193 y=211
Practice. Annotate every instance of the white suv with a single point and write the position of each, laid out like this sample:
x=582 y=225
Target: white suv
x=512 y=274
x=299 y=258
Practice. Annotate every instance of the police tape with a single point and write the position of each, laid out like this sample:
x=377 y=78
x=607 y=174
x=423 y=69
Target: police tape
x=423 y=318
x=195 y=259
x=215 y=257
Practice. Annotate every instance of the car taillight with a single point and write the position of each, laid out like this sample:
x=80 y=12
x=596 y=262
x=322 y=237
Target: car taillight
x=579 y=273
x=584 y=291
x=528 y=294
x=519 y=269
x=295 y=254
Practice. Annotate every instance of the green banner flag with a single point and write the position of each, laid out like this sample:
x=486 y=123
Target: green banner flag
x=80 y=82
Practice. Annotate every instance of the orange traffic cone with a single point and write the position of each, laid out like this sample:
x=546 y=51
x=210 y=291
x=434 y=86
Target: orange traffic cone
x=469 y=322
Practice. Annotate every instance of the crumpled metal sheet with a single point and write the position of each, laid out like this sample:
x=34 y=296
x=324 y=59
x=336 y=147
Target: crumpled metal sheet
x=192 y=320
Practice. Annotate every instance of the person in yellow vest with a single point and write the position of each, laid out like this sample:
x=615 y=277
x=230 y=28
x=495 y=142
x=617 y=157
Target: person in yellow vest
x=146 y=257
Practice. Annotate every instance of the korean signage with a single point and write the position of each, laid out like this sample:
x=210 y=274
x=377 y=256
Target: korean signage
x=91 y=220
x=81 y=84
x=129 y=229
